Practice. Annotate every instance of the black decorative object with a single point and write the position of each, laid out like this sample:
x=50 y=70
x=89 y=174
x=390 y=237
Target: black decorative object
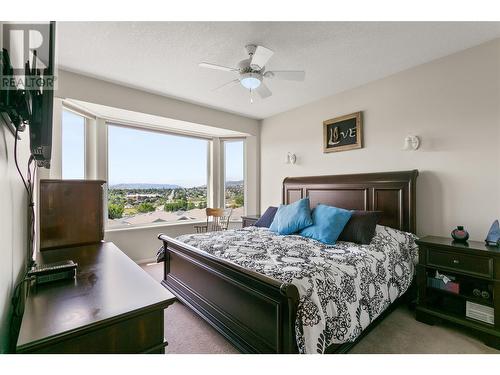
x=342 y=133
x=493 y=237
x=459 y=234
x=46 y=273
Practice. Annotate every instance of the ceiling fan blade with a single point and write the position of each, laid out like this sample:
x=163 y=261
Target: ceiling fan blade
x=289 y=75
x=230 y=83
x=260 y=57
x=263 y=91
x=217 y=67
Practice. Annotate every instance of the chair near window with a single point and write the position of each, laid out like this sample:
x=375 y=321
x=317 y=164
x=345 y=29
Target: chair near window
x=217 y=220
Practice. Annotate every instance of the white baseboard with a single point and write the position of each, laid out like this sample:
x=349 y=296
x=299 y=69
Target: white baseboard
x=147 y=260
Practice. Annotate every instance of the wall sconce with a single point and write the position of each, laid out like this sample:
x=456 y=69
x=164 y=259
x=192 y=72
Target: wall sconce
x=290 y=158
x=412 y=143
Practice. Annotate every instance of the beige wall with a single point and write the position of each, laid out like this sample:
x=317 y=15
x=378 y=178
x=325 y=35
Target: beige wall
x=12 y=223
x=141 y=244
x=452 y=104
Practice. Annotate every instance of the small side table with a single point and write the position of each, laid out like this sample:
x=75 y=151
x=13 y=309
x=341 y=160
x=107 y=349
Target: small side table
x=474 y=302
x=249 y=220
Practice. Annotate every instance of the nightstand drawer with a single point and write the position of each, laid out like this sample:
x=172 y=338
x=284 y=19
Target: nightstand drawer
x=472 y=264
x=249 y=220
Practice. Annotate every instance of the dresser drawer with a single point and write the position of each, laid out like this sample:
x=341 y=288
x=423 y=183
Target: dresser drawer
x=472 y=264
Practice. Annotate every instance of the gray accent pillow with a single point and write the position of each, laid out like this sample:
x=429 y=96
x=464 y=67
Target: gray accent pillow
x=267 y=217
x=360 y=228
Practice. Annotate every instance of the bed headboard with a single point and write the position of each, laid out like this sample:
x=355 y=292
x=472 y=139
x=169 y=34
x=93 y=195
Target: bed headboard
x=393 y=193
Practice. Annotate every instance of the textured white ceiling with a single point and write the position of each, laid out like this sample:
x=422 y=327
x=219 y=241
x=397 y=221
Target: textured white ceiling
x=163 y=57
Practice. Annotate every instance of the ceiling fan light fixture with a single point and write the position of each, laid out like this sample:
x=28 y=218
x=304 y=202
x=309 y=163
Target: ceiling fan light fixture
x=252 y=72
x=250 y=81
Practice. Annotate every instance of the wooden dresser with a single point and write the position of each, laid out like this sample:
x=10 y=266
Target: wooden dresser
x=71 y=212
x=471 y=297
x=112 y=306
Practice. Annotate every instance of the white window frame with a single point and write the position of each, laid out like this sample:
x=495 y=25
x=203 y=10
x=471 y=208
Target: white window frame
x=87 y=123
x=143 y=127
x=222 y=168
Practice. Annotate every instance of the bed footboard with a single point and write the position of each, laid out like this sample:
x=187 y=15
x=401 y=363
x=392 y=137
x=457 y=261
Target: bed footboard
x=254 y=312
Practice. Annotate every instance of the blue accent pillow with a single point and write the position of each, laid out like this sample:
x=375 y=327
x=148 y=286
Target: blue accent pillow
x=328 y=223
x=267 y=217
x=293 y=217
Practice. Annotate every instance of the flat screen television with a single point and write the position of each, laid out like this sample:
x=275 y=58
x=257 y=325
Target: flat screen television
x=32 y=104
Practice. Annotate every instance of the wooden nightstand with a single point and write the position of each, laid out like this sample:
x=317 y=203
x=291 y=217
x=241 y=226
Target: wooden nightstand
x=249 y=220
x=472 y=299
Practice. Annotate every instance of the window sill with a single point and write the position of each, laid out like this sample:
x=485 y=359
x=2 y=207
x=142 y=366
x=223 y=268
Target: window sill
x=163 y=225
x=150 y=226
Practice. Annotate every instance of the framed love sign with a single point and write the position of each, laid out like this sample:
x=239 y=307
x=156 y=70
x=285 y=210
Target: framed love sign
x=342 y=133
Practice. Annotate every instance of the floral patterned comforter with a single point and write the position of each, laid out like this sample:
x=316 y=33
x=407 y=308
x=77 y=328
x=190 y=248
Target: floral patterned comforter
x=342 y=288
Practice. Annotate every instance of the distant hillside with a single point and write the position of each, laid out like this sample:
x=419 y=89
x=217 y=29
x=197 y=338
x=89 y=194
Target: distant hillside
x=145 y=186
x=234 y=183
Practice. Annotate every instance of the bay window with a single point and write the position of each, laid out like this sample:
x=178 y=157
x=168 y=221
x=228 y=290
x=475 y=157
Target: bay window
x=154 y=175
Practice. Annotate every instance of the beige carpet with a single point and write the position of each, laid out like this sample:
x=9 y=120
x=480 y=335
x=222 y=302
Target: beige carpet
x=398 y=333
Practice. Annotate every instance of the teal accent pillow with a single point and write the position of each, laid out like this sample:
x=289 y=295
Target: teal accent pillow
x=293 y=217
x=328 y=224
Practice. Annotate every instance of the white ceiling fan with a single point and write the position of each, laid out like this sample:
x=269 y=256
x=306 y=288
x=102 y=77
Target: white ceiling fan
x=252 y=71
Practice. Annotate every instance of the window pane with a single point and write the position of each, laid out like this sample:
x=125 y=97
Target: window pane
x=234 y=177
x=73 y=146
x=155 y=177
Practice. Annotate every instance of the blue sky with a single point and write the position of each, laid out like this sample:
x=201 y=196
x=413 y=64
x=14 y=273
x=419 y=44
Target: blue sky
x=147 y=157
x=234 y=160
x=151 y=157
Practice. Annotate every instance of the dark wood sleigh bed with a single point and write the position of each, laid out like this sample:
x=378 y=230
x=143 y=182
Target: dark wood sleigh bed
x=257 y=313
